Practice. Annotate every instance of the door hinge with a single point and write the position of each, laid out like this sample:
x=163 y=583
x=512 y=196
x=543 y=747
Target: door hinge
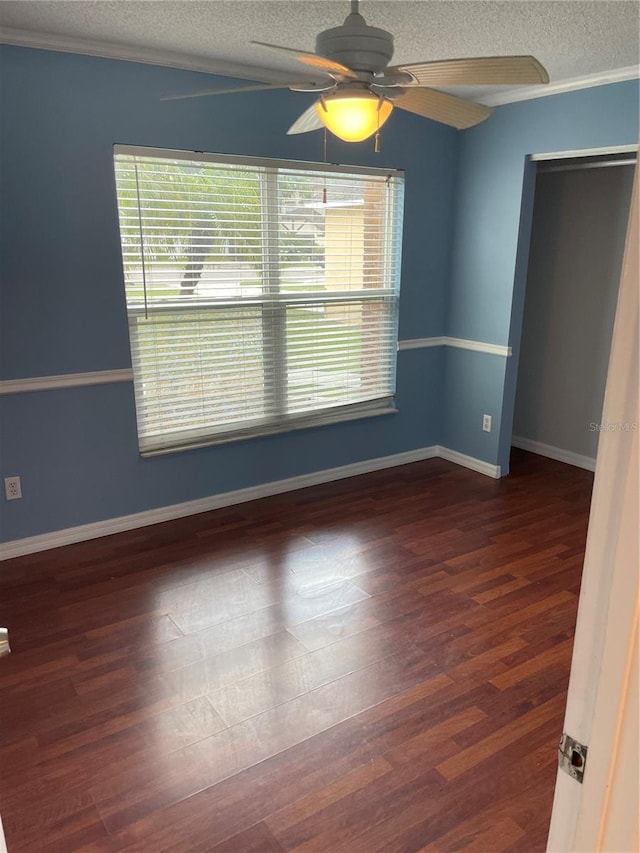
x=572 y=757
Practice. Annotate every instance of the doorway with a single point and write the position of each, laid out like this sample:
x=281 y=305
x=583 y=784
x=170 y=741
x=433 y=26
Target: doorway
x=580 y=215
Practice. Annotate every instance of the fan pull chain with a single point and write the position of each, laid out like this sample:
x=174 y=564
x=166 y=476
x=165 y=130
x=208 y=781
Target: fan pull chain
x=376 y=138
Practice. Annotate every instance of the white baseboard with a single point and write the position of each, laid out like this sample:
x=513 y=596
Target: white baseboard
x=557 y=453
x=70 y=535
x=470 y=462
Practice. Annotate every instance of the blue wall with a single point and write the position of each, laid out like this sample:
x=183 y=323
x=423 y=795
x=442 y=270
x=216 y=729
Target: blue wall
x=491 y=243
x=62 y=305
x=468 y=204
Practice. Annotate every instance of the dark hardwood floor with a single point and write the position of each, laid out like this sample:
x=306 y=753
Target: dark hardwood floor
x=378 y=664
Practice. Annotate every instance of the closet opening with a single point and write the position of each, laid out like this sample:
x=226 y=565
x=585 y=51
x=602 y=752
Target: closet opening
x=580 y=216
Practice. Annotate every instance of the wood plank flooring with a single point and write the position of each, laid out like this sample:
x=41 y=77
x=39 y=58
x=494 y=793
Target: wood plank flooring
x=378 y=664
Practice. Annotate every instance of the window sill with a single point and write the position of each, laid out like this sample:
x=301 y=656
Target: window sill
x=273 y=429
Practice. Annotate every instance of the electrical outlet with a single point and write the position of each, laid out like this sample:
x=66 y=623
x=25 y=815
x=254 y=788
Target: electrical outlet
x=486 y=423
x=12 y=488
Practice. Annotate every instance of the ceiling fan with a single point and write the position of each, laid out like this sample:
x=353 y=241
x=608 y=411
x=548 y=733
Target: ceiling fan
x=358 y=89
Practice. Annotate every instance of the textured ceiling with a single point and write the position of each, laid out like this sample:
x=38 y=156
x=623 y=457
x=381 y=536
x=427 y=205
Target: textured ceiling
x=570 y=38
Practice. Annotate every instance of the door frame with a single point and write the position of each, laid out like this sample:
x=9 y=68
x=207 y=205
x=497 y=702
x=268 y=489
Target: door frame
x=601 y=693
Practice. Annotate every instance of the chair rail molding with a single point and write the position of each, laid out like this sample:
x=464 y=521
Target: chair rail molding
x=458 y=343
x=64 y=380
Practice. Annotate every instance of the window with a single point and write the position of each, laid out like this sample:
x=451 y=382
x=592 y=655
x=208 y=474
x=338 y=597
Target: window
x=262 y=296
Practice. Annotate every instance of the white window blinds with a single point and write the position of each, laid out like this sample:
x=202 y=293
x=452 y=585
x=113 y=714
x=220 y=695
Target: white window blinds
x=262 y=296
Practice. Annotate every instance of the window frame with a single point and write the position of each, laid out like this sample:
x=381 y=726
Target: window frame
x=274 y=304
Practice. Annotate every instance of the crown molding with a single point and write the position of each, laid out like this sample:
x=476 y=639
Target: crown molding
x=587 y=81
x=148 y=56
x=223 y=68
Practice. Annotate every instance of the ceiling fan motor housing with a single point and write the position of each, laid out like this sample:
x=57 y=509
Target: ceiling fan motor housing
x=356 y=45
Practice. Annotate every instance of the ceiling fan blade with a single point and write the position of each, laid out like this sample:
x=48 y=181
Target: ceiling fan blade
x=481 y=71
x=307 y=121
x=439 y=106
x=326 y=66
x=258 y=87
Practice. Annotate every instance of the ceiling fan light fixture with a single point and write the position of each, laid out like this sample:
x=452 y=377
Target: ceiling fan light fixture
x=353 y=117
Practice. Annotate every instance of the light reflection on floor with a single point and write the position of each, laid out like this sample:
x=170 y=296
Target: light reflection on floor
x=299 y=587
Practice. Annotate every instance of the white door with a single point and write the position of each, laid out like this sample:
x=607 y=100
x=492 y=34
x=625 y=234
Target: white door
x=602 y=705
